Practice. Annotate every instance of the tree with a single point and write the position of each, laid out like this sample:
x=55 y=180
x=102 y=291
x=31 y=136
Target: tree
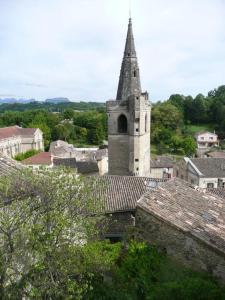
x=176 y=145
x=199 y=110
x=178 y=101
x=68 y=114
x=189 y=146
x=46 y=132
x=65 y=131
x=48 y=235
x=166 y=115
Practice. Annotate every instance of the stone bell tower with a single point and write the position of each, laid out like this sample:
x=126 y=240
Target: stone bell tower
x=129 y=119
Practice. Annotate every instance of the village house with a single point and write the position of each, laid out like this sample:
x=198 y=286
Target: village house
x=202 y=172
x=94 y=164
x=39 y=160
x=88 y=160
x=117 y=197
x=205 y=142
x=15 y=140
x=187 y=224
x=162 y=167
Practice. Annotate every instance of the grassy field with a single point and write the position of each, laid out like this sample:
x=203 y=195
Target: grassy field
x=192 y=129
x=154 y=153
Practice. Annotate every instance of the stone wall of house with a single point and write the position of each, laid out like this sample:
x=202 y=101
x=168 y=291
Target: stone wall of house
x=10 y=146
x=119 y=224
x=180 y=245
x=103 y=166
x=16 y=144
x=160 y=172
x=34 y=141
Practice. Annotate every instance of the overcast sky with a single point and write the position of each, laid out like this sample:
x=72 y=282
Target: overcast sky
x=74 y=48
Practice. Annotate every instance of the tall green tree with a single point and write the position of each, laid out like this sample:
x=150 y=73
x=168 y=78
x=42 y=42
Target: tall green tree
x=49 y=228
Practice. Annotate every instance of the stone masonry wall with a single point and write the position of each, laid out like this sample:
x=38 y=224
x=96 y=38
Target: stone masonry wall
x=119 y=223
x=180 y=245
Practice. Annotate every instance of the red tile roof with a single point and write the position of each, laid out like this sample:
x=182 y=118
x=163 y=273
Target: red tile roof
x=8 y=132
x=42 y=158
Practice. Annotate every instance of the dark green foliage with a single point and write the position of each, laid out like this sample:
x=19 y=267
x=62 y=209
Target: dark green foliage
x=170 y=120
x=50 y=248
x=25 y=155
x=49 y=236
x=86 y=123
x=141 y=272
x=87 y=128
x=51 y=107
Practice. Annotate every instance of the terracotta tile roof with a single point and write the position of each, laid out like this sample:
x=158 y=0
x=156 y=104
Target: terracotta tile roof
x=216 y=154
x=8 y=132
x=27 y=131
x=82 y=167
x=162 y=162
x=42 y=158
x=121 y=193
x=200 y=214
x=210 y=167
x=204 y=132
x=219 y=192
x=9 y=165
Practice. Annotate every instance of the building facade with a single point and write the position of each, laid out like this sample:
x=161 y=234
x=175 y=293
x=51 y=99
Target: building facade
x=186 y=224
x=205 y=142
x=129 y=119
x=202 y=172
x=162 y=167
x=15 y=140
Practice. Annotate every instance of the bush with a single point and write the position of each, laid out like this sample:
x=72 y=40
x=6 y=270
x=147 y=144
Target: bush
x=29 y=153
x=141 y=272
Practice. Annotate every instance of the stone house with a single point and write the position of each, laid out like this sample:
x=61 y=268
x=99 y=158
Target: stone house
x=15 y=140
x=202 y=172
x=118 y=196
x=187 y=224
x=162 y=167
x=206 y=141
x=47 y=160
x=42 y=159
x=89 y=160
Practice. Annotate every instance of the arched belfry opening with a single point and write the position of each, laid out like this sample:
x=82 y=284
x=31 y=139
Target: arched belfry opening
x=122 y=124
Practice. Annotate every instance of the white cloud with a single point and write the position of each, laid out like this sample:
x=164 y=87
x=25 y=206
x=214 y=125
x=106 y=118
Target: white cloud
x=74 y=48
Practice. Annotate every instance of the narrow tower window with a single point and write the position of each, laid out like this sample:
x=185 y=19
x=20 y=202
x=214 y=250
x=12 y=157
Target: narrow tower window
x=122 y=124
x=134 y=73
x=146 y=122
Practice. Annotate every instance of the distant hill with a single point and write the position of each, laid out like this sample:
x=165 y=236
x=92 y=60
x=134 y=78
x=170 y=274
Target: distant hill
x=57 y=100
x=53 y=107
x=13 y=100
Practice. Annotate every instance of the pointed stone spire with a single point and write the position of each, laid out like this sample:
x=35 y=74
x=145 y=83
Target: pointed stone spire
x=129 y=82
